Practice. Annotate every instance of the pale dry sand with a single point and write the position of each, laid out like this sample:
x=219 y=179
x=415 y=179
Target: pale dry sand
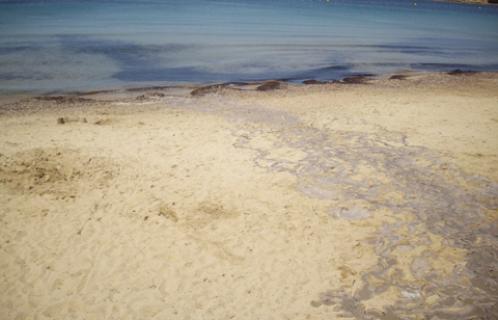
x=372 y=201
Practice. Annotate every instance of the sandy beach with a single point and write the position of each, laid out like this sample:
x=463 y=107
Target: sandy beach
x=369 y=199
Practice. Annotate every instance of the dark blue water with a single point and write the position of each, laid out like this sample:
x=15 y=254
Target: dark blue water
x=67 y=45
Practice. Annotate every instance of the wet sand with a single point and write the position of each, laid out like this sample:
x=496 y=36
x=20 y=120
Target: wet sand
x=371 y=199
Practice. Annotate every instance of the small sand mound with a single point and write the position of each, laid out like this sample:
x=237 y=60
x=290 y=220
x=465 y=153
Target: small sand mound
x=54 y=171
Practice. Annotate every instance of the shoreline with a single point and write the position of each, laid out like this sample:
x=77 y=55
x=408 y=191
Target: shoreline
x=213 y=86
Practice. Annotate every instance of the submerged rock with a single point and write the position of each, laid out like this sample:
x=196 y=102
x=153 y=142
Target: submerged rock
x=313 y=81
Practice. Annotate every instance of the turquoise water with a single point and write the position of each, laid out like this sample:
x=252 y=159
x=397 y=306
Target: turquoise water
x=68 y=45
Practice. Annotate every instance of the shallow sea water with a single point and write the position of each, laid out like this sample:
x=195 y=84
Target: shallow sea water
x=81 y=45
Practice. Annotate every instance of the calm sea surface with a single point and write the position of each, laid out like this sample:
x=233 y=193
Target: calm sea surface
x=79 y=45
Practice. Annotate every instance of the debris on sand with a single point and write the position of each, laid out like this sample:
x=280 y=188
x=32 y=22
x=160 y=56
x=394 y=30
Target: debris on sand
x=64 y=120
x=103 y=122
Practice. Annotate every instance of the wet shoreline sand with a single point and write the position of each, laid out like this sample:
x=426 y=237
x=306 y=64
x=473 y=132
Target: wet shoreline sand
x=371 y=199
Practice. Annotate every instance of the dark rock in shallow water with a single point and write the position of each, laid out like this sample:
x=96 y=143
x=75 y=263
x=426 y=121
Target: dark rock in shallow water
x=398 y=77
x=459 y=72
x=206 y=89
x=358 y=79
x=152 y=88
x=269 y=85
x=213 y=88
x=313 y=81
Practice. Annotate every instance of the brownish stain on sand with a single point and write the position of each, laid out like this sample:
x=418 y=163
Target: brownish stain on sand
x=168 y=213
x=52 y=171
